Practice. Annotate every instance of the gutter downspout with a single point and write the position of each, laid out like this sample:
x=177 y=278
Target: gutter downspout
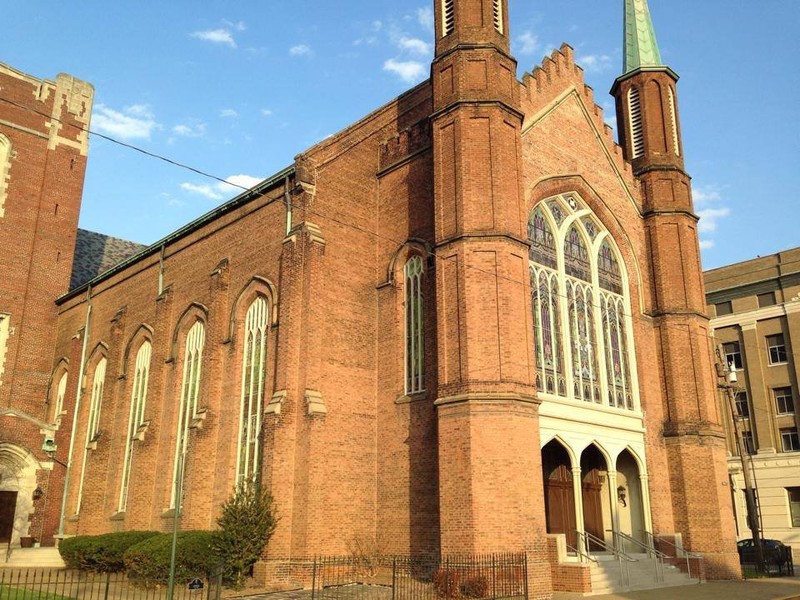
x=287 y=198
x=78 y=395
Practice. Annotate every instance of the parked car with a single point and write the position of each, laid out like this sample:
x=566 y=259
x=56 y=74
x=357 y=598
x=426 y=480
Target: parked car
x=777 y=555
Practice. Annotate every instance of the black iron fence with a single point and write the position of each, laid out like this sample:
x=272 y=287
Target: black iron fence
x=778 y=560
x=481 y=577
x=60 y=584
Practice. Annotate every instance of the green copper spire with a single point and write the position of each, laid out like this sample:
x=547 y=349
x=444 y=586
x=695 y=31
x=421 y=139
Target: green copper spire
x=641 y=48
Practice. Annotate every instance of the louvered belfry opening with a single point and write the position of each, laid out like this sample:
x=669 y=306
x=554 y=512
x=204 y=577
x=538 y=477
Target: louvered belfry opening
x=497 y=13
x=448 y=17
x=635 y=116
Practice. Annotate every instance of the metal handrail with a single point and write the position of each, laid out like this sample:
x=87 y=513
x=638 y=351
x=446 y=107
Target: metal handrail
x=581 y=555
x=622 y=558
x=687 y=554
x=650 y=550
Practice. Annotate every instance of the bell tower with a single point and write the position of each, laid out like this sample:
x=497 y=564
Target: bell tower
x=647 y=117
x=488 y=423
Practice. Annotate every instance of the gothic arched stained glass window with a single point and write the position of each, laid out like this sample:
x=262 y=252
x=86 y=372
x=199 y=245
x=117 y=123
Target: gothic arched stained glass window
x=582 y=331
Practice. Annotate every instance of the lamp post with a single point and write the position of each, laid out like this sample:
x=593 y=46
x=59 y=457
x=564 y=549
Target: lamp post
x=728 y=374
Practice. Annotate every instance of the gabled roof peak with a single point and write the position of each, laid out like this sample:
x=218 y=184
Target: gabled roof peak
x=641 y=47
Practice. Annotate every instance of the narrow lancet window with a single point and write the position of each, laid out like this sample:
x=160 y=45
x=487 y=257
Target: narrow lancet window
x=253 y=361
x=136 y=421
x=190 y=391
x=92 y=423
x=415 y=331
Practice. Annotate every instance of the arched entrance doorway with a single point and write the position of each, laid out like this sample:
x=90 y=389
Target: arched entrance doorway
x=17 y=483
x=559 y=497
x=596 y=500
x=630 y=506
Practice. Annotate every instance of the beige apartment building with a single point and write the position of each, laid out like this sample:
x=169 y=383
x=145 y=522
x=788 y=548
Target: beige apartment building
x=755 y=314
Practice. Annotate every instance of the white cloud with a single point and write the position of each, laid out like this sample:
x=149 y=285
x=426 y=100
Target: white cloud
x=228 y=113
x=266 y=112
x=237 y=25
x=409 y=71
x=594 y=63
x=232 y=185
x=709 y=217
x=301 y=50
x=706 y=244
x=526 y=43
x=191 y=131
x=377 y=26
x=133 y=122
x=710 y=208
x=425 y=17
x=237 y=182
x=216 y=36
x=204 y=190
x=414 y=46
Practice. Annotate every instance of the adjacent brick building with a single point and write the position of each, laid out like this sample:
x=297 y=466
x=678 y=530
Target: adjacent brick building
x=465 y=322
x=755 y=314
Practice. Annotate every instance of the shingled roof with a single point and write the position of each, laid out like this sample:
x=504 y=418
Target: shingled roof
x=96 y=253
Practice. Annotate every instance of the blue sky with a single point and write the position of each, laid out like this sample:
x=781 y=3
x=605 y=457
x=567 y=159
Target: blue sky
x=237 y=89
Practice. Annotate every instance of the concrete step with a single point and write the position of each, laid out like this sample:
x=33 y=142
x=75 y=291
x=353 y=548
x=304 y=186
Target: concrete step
x=641 y=575
x=32 y=558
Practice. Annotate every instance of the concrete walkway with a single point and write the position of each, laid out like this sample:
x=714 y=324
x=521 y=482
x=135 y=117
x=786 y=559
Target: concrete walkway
x=777 y=588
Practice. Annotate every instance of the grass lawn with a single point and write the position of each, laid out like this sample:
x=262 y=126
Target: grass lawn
x=12 y=593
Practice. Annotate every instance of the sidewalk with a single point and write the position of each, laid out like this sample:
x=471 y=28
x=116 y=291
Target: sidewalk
x=778 y=588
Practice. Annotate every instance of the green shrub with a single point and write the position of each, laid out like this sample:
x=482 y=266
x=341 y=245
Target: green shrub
x=194 y=557
x=100 y=553
x=245 y=526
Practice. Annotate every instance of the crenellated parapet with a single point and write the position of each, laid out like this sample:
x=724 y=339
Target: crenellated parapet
x=405 y=144
x=555 y=79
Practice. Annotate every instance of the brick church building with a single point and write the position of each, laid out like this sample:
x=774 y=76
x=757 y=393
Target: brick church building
x=469 y=322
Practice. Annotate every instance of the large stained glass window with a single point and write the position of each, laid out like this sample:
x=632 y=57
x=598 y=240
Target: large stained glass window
x=582 y=331
x=415 y=326
x=141 y=374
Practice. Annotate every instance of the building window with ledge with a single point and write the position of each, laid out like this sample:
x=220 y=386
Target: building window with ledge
x=784 y=402
x=414 y=326
x=723 y=308
x=136 y=420
x=581 y=311
x=790 y=441
x=776 y=349
x=253 y=362
x=742 y=405
x=190 y=391
x=767 y=299
x=733 y=355
x=793 y=494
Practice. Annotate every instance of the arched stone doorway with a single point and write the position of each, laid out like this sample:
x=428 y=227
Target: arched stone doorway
x=629 y=498
x=559 y=496
x=596 y=501
x=17 y=484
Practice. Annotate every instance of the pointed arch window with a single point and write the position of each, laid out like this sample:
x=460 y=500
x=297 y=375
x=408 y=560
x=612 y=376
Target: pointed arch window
x=136 y=421
x=448 y=17
x=92 y=422
x=414 y=326
x=582 y=329
x=253 y=368
x=190 y=391
x=58 y=400
x=635 y=125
